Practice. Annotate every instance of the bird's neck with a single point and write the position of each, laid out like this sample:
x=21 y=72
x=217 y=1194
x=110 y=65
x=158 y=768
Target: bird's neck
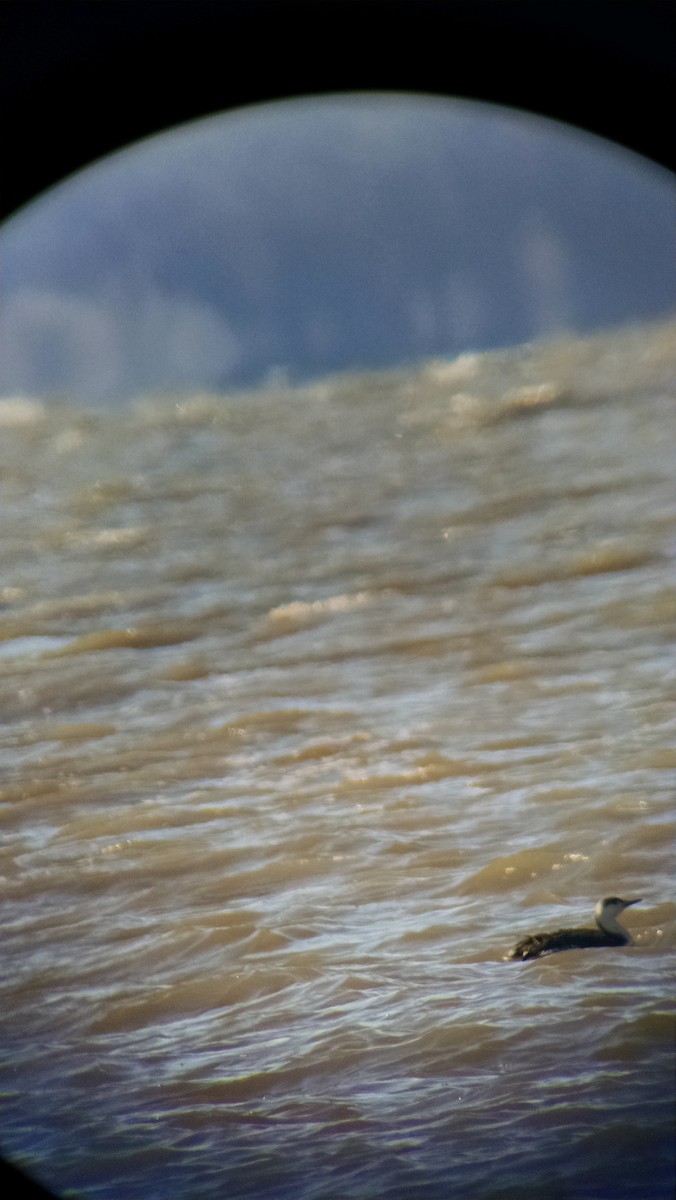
x=609 y=924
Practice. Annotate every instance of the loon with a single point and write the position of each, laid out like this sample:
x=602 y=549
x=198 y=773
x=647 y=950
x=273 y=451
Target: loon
x=609 y=933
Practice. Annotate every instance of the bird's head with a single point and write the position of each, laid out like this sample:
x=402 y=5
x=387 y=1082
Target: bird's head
x=612 y=906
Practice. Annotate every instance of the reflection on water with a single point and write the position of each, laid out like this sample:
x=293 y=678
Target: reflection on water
x=313 y=701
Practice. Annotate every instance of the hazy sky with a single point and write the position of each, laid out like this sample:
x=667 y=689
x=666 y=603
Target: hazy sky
x=314 y=235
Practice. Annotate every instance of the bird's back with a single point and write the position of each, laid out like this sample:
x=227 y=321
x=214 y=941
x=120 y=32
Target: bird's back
x=536 y=945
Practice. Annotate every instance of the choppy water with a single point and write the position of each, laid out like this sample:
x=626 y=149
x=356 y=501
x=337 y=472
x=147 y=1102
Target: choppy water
x=314 y=701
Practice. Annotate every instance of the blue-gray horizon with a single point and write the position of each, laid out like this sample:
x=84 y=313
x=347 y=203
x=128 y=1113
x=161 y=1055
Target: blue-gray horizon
x=293 y=240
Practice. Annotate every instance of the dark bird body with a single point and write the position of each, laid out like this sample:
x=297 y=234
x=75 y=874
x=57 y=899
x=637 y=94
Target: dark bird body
x=609 y=932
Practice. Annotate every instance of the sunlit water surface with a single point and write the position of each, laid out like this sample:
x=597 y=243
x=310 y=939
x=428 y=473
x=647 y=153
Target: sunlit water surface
x=314 y=701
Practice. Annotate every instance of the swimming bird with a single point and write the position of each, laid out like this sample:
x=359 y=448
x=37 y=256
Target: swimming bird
x=609 y=933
